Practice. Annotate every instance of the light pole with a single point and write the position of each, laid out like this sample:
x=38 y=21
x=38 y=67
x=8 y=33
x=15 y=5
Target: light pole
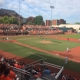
x=51 y=13
x=19 y=15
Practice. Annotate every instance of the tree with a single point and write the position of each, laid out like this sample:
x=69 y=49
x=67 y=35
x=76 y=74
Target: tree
x=8 y=20
x=77 y=22
x=14 y=20
x=38 y=20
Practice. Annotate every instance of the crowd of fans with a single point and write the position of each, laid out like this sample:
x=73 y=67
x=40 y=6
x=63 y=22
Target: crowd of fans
x=8 y=28
x=7 y=71
x=41 y=29
x=27 y=29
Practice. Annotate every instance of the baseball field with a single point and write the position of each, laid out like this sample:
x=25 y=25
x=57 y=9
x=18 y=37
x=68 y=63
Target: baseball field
x=52 y=48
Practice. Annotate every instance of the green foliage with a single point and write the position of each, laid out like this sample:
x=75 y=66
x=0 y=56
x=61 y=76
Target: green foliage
x=77 y=22
x=38 y=20
x=29 y=23
x=8 y=20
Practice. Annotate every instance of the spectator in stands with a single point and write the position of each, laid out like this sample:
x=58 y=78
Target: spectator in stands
x=5 y=75
x=46 y=71
x=2 y=59
x=22 y=65
x=37 y=75
x=17 y=65
x=38 y=78
x=37 y=72
x=12 y=75
x=2 y=68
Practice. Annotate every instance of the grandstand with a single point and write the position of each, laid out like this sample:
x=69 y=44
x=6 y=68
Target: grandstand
x=11 y=29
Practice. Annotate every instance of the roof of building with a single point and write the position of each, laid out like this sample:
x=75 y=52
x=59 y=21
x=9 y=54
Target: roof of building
x=8 y=12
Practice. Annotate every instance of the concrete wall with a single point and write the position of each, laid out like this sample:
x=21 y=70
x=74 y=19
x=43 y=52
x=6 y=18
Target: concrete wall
x=74 y=26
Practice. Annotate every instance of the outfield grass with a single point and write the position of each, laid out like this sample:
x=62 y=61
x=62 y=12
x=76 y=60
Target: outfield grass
x=35 y=55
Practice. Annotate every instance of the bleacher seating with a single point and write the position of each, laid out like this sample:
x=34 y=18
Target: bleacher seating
x=12 y=29
x=32 y=71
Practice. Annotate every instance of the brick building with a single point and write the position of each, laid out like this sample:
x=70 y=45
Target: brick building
x=58 y=21
x=48 y=22
x=62 y=21
x=55 y=22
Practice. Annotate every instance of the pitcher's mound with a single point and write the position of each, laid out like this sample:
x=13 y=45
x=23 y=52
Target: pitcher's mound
x=46 y=42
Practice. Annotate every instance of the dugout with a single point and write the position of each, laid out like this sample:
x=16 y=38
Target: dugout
x=66 y=29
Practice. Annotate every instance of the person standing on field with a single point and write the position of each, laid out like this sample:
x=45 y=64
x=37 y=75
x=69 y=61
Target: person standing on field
x=68 y=39
x=66 y=60
x=67 y=50
x=78 y=40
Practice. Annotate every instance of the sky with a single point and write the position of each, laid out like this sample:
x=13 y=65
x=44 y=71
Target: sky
x=68 y=10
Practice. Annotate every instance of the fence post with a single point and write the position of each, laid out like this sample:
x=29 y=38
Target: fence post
x=31 y=73
x=42 y=66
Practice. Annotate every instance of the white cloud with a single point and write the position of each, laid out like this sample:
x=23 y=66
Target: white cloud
x=67 y=7
x=2 y=2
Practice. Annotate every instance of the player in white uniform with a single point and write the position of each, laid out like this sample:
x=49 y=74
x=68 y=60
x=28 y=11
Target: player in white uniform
x=67 y=49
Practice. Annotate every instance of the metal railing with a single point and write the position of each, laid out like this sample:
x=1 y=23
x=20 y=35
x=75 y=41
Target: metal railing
x=40 y=63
